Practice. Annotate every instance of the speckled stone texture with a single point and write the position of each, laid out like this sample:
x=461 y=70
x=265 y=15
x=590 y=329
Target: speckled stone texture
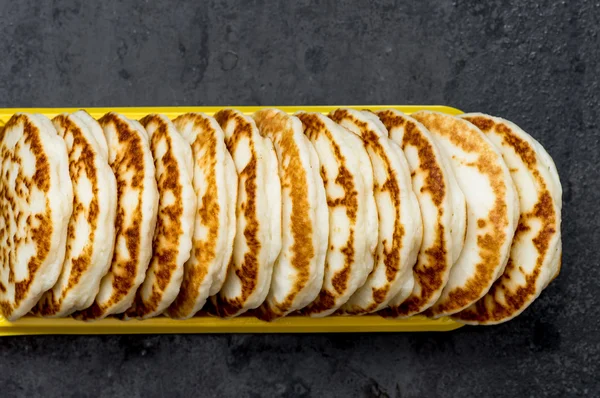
x=536 y=64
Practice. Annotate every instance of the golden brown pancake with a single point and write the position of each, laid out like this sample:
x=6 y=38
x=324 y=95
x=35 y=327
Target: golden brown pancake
x=36 y=198
x=400 y=226
x=258 y=215
x=298 y=271
x=91 y=230
x=345 y=266
x=492 y=205
x=214 y=229
x=431 y=184
x=172 y=240
x=531 y=264
x=137 y=204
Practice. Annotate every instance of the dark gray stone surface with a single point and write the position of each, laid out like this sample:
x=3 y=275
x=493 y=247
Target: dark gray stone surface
x=536 y=64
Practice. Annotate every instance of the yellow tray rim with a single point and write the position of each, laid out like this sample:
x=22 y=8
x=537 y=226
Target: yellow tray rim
x=31 y=325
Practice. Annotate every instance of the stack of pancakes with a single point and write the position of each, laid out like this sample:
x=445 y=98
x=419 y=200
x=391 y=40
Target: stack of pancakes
x=272 y=214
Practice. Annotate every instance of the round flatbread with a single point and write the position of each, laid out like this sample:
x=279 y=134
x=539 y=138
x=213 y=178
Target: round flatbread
x=531 y=264
x=91 y=230
x=232 y=188
x=36 y=197
x=431 y=184
x=130 y=158
x=556 y=189
x=459 y=209
x=172 y=240
x=258 y=213
x=214 y=230
x=400 y=226
x=372 y=218
x=492 y=204
x=299 y=268
x=341 y=171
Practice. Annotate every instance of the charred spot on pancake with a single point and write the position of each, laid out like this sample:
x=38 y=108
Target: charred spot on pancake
x=243 y=128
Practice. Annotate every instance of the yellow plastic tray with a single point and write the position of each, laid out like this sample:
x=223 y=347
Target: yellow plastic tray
x=294 y=324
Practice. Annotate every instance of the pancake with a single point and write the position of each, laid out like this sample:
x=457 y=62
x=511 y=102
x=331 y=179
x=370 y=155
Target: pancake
x=299 y=268
x=96 y=131
x=130 y=158
x=346 y=196
x=172 y=242
x=91 y=230
x=459 y=207
x=206 y=267
x=258 y=213
x=372 y=218
x=492 y=205
x=546 y=161
x=400 y=226
x=556 y=189
x=431 y=184
x=273 y=199
x=532 y=263
x=36 y=197
x=231 y=182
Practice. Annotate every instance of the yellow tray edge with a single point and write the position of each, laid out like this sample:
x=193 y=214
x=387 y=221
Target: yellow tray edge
x=162 y=325
x=30 y=325
x=171 y=111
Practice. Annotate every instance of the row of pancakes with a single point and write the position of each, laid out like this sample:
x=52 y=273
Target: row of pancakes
x=352 y=213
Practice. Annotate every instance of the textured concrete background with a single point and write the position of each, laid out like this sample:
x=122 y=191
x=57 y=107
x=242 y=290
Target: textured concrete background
x=536 y=64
